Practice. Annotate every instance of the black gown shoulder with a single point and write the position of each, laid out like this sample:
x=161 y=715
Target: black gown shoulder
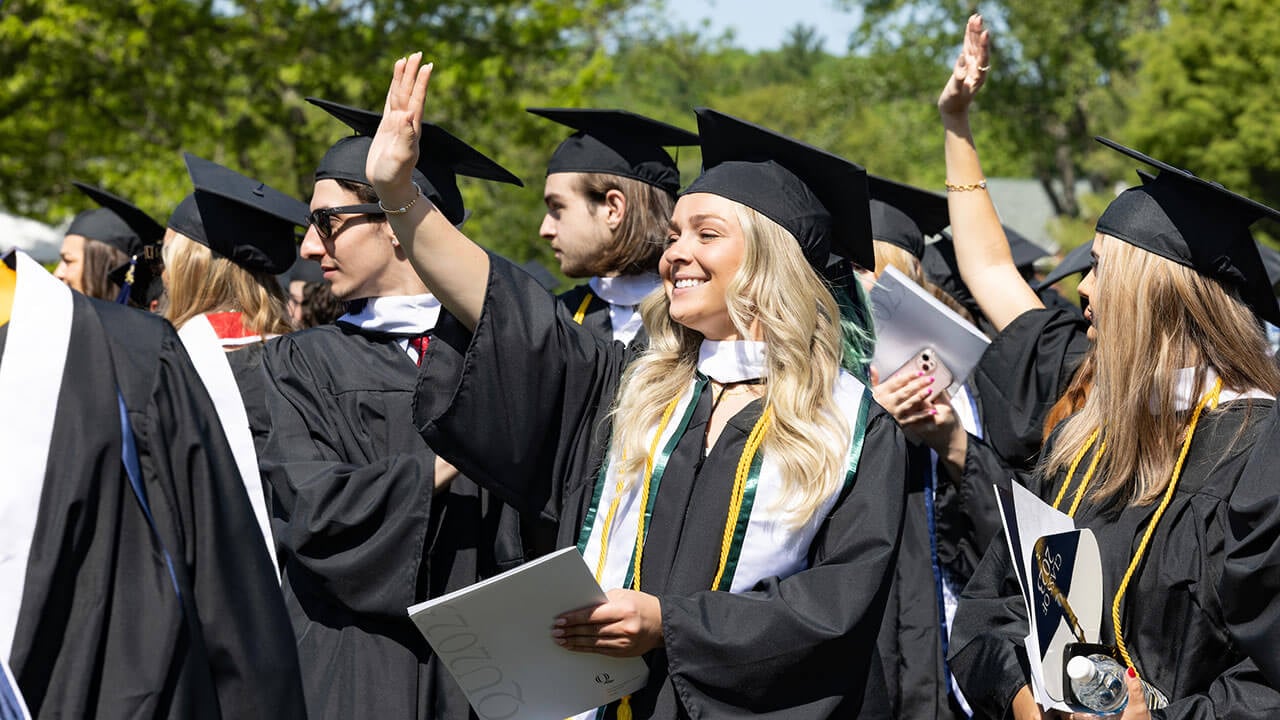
x=1022 y=373
x=1250 y=584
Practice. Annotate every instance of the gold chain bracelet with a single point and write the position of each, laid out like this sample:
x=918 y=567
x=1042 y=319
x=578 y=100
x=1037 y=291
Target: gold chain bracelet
x=980 y=185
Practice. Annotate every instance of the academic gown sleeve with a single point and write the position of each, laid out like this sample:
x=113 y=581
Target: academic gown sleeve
x=800 y=646
x=235 y=596
x=1022 y=374
x=539 y=385
x=355 y=530
x=1250 y=585
x=987 y=658
x=968 y=515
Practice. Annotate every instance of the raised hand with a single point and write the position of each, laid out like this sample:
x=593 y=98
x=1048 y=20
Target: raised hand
x=394 y=151
x=970 y=70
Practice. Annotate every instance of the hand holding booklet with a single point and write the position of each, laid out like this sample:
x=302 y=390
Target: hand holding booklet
x=494 y=637
x=908 y=320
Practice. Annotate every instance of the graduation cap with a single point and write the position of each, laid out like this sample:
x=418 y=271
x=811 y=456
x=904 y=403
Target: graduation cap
x=303 y=270
x=239 y=218
x=818 y=197
x=903 y=215
x=1196 y=223
x=617 y=142
x=1075 y=262
x=441 y=158
x=118 y=222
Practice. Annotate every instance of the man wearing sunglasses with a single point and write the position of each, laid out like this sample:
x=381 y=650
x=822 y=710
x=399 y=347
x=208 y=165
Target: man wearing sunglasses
x=368 y=519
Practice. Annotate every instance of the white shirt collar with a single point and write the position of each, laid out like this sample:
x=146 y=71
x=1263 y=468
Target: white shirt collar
x=1186 y=396
x=625 y=289
x=398 y=315
x=730 y=361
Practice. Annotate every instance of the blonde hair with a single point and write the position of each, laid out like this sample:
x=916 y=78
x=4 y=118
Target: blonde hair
x=200 y=282
x=888 y=254
x=1157 y=317
x=800 y=322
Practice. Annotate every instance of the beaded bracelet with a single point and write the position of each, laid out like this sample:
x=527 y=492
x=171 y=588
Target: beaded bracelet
x=417 y=193
x=980 y=185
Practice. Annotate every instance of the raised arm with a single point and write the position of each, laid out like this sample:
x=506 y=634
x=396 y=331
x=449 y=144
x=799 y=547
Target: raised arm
x=982 y=250
x=453 y=267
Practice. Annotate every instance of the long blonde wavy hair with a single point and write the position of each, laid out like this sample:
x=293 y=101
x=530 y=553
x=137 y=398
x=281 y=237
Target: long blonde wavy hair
x=200 y=282
x=1154 y=317
x=777 y=291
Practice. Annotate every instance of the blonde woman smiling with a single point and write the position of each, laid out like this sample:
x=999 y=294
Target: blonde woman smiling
x=735 y=490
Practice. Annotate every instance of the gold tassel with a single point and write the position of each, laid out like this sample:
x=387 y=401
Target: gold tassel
x=624 y=708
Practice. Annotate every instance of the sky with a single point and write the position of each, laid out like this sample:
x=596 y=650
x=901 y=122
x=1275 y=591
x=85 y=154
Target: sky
x=762 y=24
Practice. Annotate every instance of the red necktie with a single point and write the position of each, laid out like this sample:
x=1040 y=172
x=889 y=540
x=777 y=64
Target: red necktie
x=420 y=344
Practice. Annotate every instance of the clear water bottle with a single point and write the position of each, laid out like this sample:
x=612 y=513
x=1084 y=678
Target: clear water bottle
x=1098 y=683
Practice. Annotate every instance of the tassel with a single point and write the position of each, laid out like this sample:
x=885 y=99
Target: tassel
x=126 y=287
x=624 y=708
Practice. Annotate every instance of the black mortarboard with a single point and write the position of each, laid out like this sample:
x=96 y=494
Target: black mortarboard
x=902 y=215
x=818 y=197
x=239 y=218
x=1270 y=261
x=304 y=270
x=1075 y=262
x=441 y=158
x=118 y=222
x=1195 y=223
x=617 y=142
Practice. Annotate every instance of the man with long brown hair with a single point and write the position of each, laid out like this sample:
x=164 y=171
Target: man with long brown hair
x=609 y=193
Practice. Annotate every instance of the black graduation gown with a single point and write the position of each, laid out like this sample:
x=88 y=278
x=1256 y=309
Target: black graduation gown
x=1022 y=373
x=101 y=631
x=1250 y=584
x=1172 y=614
x=799 y=647
x=362 y=536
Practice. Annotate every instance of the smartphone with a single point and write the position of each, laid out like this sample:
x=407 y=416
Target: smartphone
x=928 y=362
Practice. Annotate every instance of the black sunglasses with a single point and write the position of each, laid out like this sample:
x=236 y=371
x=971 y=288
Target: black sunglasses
x=322 y=218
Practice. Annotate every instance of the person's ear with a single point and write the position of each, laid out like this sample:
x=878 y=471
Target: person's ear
x=615 y=204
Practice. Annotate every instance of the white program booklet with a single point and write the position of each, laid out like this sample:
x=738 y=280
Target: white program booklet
x=908 y=319
x=1070 y=558
x=494 y=637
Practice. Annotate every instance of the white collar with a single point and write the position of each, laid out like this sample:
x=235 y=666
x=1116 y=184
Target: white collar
x=624 y=289
x=398 y=315
x=1186 y=396
x=730 y=361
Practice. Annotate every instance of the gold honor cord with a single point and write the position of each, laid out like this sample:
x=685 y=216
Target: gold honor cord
x=740 y=489
x=581 y=313
x=1209 y=397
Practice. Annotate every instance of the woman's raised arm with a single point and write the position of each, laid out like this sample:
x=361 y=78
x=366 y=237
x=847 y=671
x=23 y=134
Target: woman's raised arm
x=455 y=269
x=982 y=250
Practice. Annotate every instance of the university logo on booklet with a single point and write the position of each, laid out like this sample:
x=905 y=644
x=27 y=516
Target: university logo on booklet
x=603 y=679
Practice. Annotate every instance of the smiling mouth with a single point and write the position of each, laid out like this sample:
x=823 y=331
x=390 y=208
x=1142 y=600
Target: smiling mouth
x=688 y=283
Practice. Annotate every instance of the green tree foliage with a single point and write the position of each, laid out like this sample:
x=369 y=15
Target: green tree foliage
x=1207 y=97
x=1058 y=77
x=110 y=91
